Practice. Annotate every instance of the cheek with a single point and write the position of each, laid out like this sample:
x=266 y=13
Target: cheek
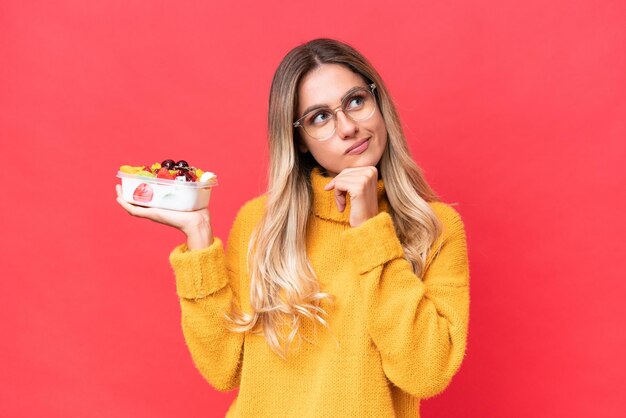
x=383 y=136
x=380 y=128
x=323 y=153
x=327 y=156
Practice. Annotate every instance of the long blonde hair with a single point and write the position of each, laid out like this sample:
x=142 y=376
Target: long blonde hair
x=284 y=289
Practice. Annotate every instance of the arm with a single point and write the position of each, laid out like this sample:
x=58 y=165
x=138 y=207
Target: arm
x=419 y=325
x=207 y=282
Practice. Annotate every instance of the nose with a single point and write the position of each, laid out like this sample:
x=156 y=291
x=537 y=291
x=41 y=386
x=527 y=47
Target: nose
x=345 y=126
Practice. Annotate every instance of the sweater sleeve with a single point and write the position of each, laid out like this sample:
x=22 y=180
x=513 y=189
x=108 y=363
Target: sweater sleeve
x=207 y=282
x=418 y=324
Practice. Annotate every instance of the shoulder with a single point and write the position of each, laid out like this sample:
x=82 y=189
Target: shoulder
x=450 y=248
x=449 y=217
x=444 y=210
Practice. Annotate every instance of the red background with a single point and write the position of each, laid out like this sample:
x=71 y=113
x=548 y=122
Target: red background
x=514 y=109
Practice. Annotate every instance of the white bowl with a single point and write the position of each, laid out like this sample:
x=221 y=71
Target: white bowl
x=165 y=194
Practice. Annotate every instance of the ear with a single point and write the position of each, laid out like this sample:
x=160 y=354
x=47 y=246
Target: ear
x=301 y=145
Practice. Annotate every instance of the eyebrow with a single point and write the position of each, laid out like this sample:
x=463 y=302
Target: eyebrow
x=319 y=106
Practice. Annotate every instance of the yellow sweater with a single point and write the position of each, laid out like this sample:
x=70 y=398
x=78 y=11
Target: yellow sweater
x=393 y=338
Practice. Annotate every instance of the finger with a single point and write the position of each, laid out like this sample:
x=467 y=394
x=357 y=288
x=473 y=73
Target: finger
x=132 y=209
x=340 y=199
x=363 y=175
x=346 y=184
x=369 y=172
x=330 y=185
x=124 y=204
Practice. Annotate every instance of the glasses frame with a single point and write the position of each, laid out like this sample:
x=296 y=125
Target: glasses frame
x=370 y=89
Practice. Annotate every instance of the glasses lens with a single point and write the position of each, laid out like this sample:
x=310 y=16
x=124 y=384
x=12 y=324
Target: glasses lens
x=320 y=124
x=358 y=106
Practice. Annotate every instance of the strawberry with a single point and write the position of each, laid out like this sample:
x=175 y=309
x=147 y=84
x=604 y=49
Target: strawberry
x=143 y=193
x=164 y=173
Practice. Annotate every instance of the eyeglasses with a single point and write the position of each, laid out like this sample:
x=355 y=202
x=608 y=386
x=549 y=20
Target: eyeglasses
x=358 y=105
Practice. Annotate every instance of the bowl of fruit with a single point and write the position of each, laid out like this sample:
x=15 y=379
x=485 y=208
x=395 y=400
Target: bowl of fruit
x=167 y=185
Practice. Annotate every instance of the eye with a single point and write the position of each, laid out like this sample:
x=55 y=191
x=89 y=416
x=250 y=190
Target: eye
x=356 y=101
x=319 y=118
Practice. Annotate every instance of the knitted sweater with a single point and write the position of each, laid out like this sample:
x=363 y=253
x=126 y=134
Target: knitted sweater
x=393 y=338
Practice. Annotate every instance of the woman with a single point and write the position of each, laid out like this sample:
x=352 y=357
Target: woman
x=349 y=236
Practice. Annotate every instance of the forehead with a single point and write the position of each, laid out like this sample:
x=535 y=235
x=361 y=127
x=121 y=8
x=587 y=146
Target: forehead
x=325 y=85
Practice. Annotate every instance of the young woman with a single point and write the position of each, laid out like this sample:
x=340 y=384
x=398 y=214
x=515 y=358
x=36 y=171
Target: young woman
x=344 y=290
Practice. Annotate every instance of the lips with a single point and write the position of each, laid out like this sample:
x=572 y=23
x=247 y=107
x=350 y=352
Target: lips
x=356 y=145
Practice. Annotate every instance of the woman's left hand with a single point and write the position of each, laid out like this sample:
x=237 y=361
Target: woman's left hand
x=361 y=184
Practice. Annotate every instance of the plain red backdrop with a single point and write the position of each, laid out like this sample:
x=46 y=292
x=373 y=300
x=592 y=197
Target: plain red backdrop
x=516 y=110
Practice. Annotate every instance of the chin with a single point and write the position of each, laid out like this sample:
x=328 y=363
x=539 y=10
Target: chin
x=366 y=161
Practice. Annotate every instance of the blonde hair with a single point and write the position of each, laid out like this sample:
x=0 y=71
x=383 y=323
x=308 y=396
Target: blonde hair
x=284 y=289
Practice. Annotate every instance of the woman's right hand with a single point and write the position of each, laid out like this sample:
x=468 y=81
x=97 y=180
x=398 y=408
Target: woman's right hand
x=195 y=225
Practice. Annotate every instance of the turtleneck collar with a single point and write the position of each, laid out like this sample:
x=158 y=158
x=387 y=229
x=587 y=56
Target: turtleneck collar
x=324 y=205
